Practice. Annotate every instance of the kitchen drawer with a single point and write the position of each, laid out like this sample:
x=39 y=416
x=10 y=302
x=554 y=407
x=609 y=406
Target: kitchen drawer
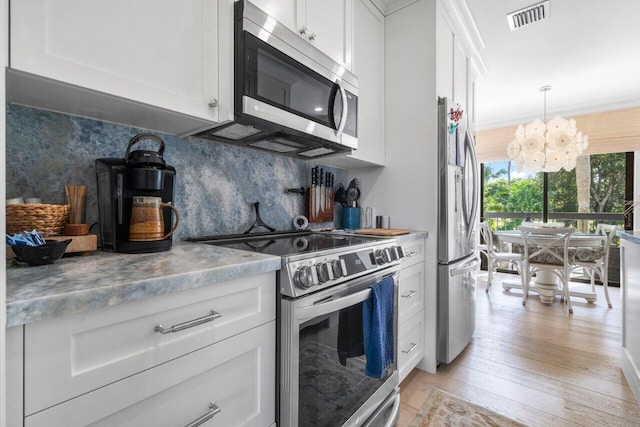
x=237 y=374
x=414 y=252
x=410 y=292
x=75 y=354
x=410 y=344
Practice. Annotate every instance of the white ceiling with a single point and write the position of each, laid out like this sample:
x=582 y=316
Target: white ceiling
x=588 y=51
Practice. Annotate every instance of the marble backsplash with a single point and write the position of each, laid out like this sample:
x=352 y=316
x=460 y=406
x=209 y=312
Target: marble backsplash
x=216 y=185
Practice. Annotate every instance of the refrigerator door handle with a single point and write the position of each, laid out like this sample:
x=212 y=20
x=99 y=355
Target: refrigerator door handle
x=471 y=216
x=466 y=269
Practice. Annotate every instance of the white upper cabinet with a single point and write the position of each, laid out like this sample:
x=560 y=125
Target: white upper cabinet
x=161 y=53
x=329 y=25
x=458 y=60
x=284 y=11
x=325 y=23
x=368 y=65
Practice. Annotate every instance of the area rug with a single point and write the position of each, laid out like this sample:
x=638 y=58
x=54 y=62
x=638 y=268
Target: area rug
x=443 y=409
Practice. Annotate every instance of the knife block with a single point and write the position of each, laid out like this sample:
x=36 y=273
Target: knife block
x=322 y=215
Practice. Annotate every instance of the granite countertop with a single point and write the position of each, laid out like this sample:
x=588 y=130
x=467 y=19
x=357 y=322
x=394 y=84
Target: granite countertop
x=632 y=236
x=77 y=284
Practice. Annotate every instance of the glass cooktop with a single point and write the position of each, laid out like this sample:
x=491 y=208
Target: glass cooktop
x=292 y=243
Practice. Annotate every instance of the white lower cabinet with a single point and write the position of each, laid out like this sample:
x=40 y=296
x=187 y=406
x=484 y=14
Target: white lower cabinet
x=410 y=344
x=235 y=376
x=411 y=306
x=160 y=361
x=411 y=292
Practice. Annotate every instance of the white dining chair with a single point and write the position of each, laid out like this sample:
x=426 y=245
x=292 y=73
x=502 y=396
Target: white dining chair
x=547 y=249
x=492 y=253
x=596 y=260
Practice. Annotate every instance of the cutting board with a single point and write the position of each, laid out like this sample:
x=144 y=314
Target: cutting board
x=382 y=231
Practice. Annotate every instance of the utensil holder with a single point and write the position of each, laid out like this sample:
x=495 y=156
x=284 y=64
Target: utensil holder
x=76 y=198
x=351 y=218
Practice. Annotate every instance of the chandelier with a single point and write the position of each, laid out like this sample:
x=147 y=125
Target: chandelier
x=544 y=146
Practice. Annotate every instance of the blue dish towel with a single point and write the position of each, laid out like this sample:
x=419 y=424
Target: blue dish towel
x=378 y=320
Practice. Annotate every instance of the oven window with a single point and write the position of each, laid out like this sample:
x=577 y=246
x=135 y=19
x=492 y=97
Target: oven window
x=332 y=383
x=274 y=78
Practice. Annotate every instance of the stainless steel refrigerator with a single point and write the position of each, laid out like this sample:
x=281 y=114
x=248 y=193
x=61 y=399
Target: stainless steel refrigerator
x=457 y=212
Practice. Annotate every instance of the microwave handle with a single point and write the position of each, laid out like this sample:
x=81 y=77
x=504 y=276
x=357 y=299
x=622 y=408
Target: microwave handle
x=345 y=107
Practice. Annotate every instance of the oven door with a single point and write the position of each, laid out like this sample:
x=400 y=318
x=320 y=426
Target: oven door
x=322 y=369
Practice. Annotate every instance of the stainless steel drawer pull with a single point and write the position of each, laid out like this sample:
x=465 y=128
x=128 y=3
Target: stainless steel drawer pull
x=410 y=294
x=410 y=254
x=213 y=409
x=413 y=347
x=189 y=324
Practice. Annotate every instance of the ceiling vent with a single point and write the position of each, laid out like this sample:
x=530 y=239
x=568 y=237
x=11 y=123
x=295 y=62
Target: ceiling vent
x=528 y=15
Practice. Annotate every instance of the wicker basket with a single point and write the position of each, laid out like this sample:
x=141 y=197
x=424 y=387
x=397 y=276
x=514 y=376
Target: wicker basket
x=41 y=217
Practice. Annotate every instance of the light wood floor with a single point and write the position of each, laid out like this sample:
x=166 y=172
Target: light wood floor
x=536 y=364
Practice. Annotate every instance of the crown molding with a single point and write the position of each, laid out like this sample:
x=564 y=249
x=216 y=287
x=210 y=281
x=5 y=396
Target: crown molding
x=387 y=7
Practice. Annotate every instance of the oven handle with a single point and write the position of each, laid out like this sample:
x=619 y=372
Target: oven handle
x=333 y=303
x=391 y=420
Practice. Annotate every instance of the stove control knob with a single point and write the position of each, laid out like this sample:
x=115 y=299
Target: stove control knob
x=336 y=266
x=400 y=251
x=386 y=255
x=394 y=253
x=323 y=272
x=303 y=277
x=379 y=257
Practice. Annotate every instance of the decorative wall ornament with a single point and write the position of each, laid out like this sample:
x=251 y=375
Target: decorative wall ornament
x=547 y=146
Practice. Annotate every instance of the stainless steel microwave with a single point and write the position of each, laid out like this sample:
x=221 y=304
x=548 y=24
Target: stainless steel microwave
x=289 y=97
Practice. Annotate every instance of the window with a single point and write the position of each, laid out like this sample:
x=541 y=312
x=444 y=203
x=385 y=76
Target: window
x=595 y=191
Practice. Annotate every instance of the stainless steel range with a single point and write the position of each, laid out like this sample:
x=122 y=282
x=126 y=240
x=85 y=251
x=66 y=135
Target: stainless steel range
x=325 y=285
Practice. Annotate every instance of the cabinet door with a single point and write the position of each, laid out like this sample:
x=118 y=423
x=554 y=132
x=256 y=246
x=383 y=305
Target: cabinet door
x=158 y=52
x=331 y=23
x=368 y=65
x=284 y=11
x=411 y=291
x=237 y=375
x=460 y=77
x=444 y=45
x=410 y=344
x=75 y=354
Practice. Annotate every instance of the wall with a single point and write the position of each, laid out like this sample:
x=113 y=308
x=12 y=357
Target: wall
x=407 y=187
x=216 y=186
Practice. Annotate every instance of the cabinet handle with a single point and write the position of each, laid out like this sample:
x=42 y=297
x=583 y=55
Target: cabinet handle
x=303 y=31
x=413 y=347
x=410 y=294
x=312 y=37
x=213 y=409
x=188 y=324
x=213 y=103
x=410 y=254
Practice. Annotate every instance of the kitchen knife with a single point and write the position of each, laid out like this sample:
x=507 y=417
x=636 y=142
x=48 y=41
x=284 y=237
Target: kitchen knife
x=322 y=184
x=312 y=198
x=317 y=196
x=327 y=196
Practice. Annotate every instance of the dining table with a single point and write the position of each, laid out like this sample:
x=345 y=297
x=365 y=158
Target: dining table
x=546 y=283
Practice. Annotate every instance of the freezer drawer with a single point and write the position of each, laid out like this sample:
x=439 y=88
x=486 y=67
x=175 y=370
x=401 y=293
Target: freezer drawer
x=456 y=307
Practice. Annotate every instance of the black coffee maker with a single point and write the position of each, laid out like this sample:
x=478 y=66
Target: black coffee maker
x=139 y=173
